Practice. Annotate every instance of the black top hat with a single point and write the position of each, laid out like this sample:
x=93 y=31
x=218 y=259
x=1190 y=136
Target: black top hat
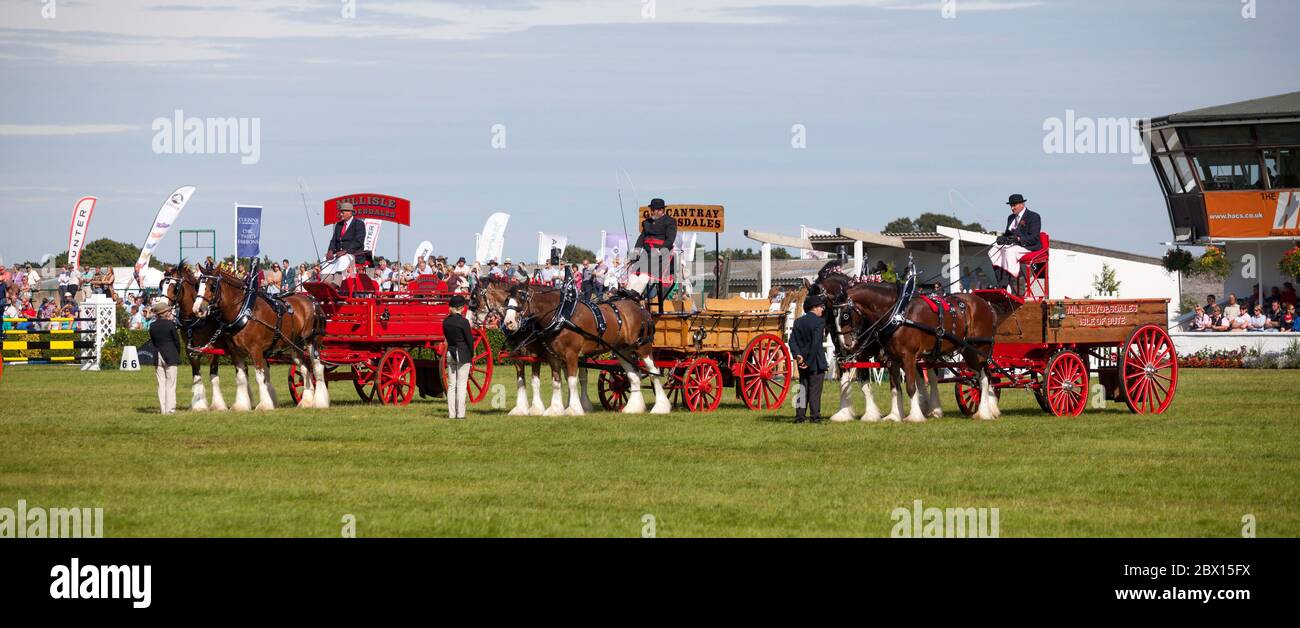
x=1016 y=199
x=457 y=301
x=657 y=203
x=813 y=301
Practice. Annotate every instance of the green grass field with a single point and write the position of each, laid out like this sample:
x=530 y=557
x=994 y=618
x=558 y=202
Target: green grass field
x=1229 y=446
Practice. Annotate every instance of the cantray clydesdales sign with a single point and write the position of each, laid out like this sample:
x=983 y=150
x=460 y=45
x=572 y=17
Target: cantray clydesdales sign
x=371 y=206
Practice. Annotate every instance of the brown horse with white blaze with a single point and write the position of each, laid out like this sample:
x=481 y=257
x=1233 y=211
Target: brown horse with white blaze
x=864 y=317
x=256 y=329
x=180 y=286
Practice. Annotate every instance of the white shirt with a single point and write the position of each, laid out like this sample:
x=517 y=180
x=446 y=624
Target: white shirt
x=1016 y=221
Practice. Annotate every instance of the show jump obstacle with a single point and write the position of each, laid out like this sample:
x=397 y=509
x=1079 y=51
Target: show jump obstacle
x=61 y=340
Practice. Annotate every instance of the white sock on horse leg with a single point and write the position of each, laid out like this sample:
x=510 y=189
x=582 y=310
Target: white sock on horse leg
x=872 y=413
x=916 y=412
x=263 y=391
x=198 y=403
x=845 y=413
x=936 y=406
x=575 y=399
x=635 y=402
x=557 y=396
x=322 y=387
x=982 y=409
x=243 y=402
x=537 y=409
x=218 y=400
x=521 y=396
x=662 y=404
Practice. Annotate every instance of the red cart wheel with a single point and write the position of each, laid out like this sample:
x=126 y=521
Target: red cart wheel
x=364 y=380
x=1067 y=384
x=295 y=383
x=674 y=383
x=1150 y=369
x=396 y=383
x=765 y=373
x=613 y=389
x=968 y=397
x=702 y=387
x=480 y=370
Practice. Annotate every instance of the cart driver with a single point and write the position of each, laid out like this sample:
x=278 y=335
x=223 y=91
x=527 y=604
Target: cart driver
x=349 y=239
x=658 y=234
x=1020 y=238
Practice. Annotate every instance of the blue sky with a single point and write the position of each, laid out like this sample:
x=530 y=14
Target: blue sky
x=901 y=107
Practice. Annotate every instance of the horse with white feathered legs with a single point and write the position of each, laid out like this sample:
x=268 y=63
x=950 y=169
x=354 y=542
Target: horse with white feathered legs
x=870 y=319
x=550 y=325
x=180 y=286
x=257 y=327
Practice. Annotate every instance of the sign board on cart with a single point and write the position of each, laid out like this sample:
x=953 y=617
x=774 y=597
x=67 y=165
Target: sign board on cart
x=371 y=206
x=701 y=218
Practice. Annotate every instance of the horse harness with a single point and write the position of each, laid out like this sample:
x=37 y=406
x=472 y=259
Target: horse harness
x=245 y=315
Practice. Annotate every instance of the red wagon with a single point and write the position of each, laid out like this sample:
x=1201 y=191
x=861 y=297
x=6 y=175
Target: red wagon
x=391 y=344
x=1053 y=348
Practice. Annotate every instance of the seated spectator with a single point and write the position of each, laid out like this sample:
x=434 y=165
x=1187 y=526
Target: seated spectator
x=1233 y=309
x=1275 y=313
x=1240 y=322
x=1257 y=320
x=1202 y=321
x=1289 y=319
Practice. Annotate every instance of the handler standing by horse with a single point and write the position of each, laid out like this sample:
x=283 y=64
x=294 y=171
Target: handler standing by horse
x=806 y=340
x=658 y=233
x=167 y=354
x=460 y=353
x=1021 y=237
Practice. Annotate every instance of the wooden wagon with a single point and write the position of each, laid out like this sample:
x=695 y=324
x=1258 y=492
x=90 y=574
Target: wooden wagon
x=732 y=343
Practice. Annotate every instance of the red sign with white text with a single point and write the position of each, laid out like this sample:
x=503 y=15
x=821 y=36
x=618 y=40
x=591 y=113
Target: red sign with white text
x=376 y=206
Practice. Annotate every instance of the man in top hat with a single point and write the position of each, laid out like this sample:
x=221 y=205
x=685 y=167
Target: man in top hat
x=460 y=353
x=349 y=239
x=658 y=234
x=1021 y=237
x=806 y=345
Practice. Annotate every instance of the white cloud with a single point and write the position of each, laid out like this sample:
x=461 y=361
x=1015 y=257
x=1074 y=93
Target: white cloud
x=64 y=129
x=154 y=31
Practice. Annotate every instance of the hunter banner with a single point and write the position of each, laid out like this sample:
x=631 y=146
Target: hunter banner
x=1259 y=214
x=81 y=213
x=372 y=233
x=701 y=218
x=248 y=230
x=376 y=206
x=167 y=214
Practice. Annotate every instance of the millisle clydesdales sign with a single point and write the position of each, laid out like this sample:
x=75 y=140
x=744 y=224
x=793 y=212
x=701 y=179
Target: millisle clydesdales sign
x=376 y=206
x=702 y=218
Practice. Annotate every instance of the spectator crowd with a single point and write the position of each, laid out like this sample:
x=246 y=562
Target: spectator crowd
x=1275 y=313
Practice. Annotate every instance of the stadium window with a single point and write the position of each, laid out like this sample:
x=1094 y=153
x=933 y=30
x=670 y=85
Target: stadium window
x=1186 y=178
x=1171 y=140
x=1217 y=136
x=1279 y=134
x=1172 y=184
x=1283 y=166
x=1154 y=143
x=1228 y=169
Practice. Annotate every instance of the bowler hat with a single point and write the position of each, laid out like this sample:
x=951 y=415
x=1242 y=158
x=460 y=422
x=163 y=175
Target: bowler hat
x=458 y=301
x=1016 y=199
x=813 y=301
x=346 y=207
x=160 y=306
x=657 y=203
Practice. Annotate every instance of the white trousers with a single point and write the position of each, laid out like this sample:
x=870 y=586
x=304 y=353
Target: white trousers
x=340 y=264
x=457 y=388
x=1008 y=257
x=166 y=386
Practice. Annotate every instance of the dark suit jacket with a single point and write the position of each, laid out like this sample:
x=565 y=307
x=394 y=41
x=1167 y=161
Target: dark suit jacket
x=1026 y=233
x=460 y=343
x=166 y=342
x=352 y=242
x=663 y=229
x=806 y=340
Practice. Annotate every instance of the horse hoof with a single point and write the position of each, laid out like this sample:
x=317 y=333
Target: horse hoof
x=220 y=407
x=264 y=407
x=554 y=412
x=241 y=408
x=202 y=407
x=574 y=412
x=305 y=403
x=914 y=419
x=871 y=418
x=892 y=418
x=843 y=416
x=518 y=412
x=937 y=414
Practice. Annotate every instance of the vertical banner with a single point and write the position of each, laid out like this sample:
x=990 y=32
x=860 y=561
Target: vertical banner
x=548 y=241
x=171 y=208
x=493 y=242
x=615 y=248
x=372 y=233
x=248 y=230
x=424 y=250
x=81 y=213
x=804 y=232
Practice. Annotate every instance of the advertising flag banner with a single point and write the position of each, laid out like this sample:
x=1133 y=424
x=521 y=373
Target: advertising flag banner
x=547 y=241
x=248 y=230
x=424 y=250
x=804 y=232
x=162 y=223
x=81 y=213
x=372 y=233
x=492 y=244
x=615 y=248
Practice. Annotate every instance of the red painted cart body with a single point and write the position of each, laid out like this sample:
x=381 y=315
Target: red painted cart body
x=391 y=344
